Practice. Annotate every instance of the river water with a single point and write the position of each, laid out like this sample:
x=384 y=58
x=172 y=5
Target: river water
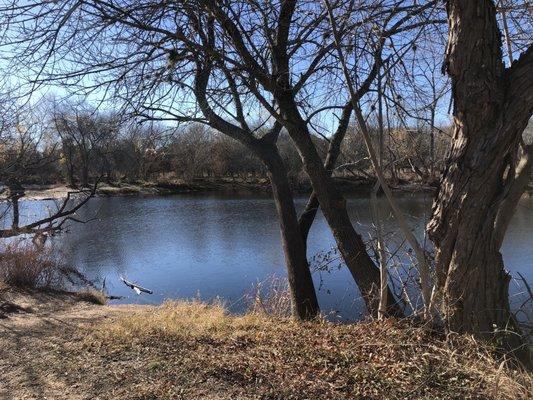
x=222 y=245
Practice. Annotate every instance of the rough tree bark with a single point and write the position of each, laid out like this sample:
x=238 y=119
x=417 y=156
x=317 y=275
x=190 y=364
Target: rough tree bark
x=492 y=106
x=515 y=191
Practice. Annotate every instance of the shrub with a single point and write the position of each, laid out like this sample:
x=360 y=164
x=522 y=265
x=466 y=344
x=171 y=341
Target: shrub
x=24 y=266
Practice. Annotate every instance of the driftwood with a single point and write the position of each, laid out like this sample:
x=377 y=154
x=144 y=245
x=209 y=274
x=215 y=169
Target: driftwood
x=138 y=289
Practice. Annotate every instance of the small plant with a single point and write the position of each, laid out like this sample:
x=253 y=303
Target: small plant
x=92 y=296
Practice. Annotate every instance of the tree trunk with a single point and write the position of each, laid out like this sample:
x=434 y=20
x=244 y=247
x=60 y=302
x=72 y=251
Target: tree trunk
x=84 y=174
x=492 y=106
x=70 y=166
x=70 y=173
x=304 y=302
x=311 y=208
x=303 y=297
x=514 y=193
x=16 y=192
x=333 y=205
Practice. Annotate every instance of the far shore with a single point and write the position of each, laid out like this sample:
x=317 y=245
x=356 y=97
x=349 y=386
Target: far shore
x=204 y=185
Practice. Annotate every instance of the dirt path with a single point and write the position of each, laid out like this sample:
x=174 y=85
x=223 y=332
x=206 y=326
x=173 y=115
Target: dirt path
x=33 y=329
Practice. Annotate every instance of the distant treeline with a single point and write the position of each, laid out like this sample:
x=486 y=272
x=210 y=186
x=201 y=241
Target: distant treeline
x=76 y=146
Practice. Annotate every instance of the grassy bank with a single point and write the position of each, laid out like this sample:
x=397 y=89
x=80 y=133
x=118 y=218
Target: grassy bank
x=191 y=350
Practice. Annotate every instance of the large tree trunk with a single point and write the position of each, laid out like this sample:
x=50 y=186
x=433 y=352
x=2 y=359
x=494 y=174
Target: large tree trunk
x=492 y=106
x=303 y=295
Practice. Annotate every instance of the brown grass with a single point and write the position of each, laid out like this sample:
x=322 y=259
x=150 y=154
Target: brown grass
x=199 y=351
x=270 y=297
x=27 y=268
x=92 y=296
x=192 y=350
x=24 y=266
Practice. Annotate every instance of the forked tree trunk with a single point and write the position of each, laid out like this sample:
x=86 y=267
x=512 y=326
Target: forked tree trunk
x=492 y=106
x=303 y=296
x=333 y=205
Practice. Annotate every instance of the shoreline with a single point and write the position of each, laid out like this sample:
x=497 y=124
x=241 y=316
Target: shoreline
x=205 y=186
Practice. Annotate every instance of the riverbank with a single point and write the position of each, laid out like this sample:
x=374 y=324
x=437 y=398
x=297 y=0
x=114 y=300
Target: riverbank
x=204 y=185
x=59 y=347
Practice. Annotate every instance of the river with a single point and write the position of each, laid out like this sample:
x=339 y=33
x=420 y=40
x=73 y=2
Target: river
x=210 y=246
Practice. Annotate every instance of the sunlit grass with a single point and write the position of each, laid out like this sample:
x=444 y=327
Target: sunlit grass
x=258 y=352
x=190 y=319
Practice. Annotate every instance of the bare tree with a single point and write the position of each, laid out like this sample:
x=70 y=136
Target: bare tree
x=85 y=136
x=20 y=158
x=219 y=63
x=425 y=276
x=277 y=84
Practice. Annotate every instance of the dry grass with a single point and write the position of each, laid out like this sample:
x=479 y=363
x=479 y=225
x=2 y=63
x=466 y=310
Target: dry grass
x=174 y=320
x=270 y=297
x=92 y=296
x=24 y=266
x=28 y=269
x=190 y=350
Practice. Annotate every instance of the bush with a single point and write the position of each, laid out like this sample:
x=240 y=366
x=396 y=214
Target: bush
x=26 y=267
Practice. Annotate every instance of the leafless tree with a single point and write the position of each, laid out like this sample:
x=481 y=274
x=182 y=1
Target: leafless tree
x=21 y=156
x=220 y=63
x=85 y=136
